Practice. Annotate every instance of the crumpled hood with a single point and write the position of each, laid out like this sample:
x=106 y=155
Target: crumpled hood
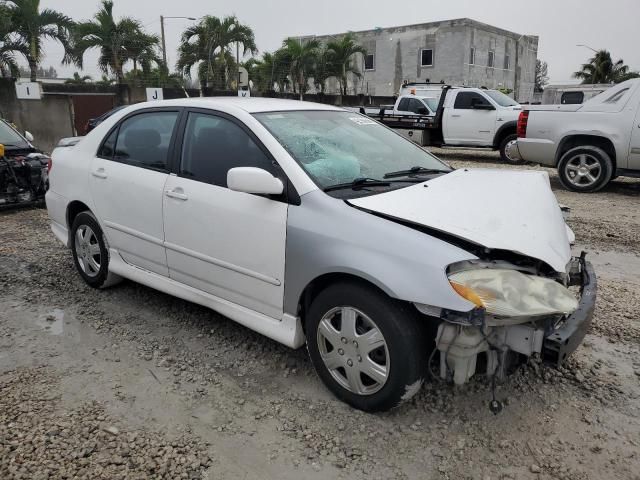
x=498 y=209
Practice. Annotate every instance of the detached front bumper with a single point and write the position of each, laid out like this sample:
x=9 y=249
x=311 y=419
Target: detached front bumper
x=564 y=340
x=459 y=345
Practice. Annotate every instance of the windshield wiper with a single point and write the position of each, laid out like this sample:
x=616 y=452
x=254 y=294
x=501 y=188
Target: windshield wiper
x=358 y=183
x=414 y=171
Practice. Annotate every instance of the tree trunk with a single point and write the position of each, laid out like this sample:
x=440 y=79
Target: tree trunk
x=302 y=89
x=33 y=66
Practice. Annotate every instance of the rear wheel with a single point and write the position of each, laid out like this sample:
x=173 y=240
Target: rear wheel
x=506 y=143
x=585 y=169
x=367 y=348
x=90 y=253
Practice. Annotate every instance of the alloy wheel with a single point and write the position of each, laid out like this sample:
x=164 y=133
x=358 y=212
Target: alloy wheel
x=583 y=170
x=88 y=250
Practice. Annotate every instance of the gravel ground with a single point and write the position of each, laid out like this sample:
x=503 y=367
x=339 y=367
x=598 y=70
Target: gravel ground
x=132 y=383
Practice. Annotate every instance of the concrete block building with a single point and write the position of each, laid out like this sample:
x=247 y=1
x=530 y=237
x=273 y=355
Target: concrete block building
x=458 y=52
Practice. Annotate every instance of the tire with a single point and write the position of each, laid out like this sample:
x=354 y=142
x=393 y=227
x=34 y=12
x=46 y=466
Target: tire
x=90 y=252
x=585 y=169
x=503 y=150
x=397 y=358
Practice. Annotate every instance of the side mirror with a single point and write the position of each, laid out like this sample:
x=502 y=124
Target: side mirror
x=253 y=180
x=28 y=136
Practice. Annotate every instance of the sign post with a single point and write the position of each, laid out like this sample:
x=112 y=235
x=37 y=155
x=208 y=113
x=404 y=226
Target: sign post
x=243 y=83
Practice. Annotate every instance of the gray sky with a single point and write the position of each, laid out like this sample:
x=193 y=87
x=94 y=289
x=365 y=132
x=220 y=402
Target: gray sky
x=560 y=24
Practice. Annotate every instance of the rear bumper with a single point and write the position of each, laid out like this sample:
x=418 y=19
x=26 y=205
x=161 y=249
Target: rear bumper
x=537 y=150
x=57 y=209
x=564 y=340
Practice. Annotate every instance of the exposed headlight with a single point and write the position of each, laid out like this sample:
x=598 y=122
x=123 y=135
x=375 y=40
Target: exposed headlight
x=509 y=293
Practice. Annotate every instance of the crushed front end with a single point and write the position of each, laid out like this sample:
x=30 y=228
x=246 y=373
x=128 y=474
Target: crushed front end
x=518 y=314
x=23 y=177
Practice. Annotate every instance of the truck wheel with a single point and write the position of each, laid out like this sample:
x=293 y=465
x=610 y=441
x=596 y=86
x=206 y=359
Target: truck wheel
x=508 y=141
x=367 y=348
x=585 y=169
x=90 y=253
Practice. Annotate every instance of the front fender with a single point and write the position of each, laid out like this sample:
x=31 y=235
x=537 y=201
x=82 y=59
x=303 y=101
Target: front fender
x=505 y=127
x=325 y=235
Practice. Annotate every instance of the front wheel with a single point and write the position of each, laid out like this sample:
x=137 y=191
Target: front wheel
x=506 y=144
x=367 y=348
x=585 y=169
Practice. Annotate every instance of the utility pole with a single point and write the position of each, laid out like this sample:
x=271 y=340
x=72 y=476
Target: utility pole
x=164 y=43
x=164 y=40
x=238 y=65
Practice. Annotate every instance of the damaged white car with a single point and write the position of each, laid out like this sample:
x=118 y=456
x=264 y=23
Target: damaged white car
x=314 y=225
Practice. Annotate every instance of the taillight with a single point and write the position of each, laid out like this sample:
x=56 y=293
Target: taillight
x=523 y=120
x=49 y=165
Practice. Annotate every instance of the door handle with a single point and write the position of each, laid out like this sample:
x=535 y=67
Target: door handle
x=456 y=116
x=177 y=194
x=99 y=173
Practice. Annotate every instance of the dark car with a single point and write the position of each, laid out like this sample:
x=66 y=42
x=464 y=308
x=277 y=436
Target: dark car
x=23 y=168
x=94 y=122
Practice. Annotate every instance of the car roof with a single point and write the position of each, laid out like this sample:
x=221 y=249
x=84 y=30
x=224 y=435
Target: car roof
x=250 y=105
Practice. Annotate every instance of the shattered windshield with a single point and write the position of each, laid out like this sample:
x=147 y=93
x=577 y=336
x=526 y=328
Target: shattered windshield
x=338 y=147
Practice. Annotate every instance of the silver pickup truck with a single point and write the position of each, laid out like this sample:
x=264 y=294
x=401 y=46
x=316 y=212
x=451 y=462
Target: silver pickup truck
x=590 y=144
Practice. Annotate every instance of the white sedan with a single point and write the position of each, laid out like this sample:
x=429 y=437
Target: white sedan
x=311 y=224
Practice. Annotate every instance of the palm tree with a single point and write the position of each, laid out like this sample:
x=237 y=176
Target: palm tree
x=105 y=81
x=207 y=46
x=302 y=57
x=343 y=51
x=325 y=68
x=602 y=69
x=141 y=49
x=31 y=25
x=268 y=71
x=9 y=46
x=118 y=41
x=78 y=80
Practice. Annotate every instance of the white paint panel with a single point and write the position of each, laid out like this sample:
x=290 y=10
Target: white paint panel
x=128 y=202
x=499 y=209
x=285 y=329
x=229 y=244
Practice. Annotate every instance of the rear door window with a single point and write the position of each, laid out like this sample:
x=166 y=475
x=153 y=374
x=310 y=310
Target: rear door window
x=143 y=140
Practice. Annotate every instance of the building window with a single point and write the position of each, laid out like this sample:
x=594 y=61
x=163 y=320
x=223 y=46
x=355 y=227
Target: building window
x=507 y=62
x=369 y=61
x=427 y=58
x=472 y=56
x=492 y=58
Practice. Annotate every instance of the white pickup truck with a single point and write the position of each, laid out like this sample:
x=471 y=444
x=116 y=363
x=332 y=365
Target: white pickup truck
x=459 y=117
x=589 y=144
